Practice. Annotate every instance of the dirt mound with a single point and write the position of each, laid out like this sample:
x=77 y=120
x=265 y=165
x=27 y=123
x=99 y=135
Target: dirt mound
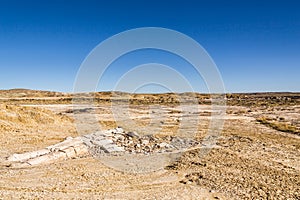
x=31 y=128
x=13 y=116
x=19 y=93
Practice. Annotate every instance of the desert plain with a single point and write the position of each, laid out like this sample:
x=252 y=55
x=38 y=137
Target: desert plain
x=255 y=156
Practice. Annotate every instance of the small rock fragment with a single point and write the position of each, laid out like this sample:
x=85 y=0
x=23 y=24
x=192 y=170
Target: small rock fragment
x=133 y=134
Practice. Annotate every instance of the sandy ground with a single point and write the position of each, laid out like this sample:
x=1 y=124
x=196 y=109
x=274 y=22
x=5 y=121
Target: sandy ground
x=252 y=161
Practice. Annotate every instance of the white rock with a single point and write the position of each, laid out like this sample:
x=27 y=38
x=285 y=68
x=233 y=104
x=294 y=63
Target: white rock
x=163 y=144
x=27 y=155
x=133 y=134
x=113 y=148
x=145 y=142
x=169 y=146
x=119 y=130
x=120 y=137
x=102 y=142
x=101 y=134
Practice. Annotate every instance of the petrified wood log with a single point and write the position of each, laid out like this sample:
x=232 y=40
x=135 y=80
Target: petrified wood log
x=110 y=142
x=69 y=148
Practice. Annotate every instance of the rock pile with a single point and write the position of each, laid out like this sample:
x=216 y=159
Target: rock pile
x=119 y=141
x=111 y=142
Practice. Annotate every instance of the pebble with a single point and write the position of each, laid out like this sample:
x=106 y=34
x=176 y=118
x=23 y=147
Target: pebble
x=163 y=144
x=119 y=130
x=145 y=142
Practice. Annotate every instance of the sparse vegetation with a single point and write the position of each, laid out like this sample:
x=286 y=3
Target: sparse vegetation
x=280 y=126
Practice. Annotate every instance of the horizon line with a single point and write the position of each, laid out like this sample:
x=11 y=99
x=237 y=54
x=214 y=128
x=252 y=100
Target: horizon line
x=195 y=92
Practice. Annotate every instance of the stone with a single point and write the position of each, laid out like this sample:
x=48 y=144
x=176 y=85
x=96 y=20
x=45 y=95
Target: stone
x=27 y=155
x=163 y=144
x=65 y=144
x=145 y=142
x=119 y=130
x=133 y=134
x=119 y=137
x=87 y=142
x=147 y=149
x=69 y=138
x=99 y=134
x=130 y=142
x=47 y=158
x=169 y=146
x=112 y=148
x=109 y=132
x=102 y=142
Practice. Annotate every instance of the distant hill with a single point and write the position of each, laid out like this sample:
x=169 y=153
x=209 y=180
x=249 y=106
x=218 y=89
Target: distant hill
x=27 y=96
x=27 y=93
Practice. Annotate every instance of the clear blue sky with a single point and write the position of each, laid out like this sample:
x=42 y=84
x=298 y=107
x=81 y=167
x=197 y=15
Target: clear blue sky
x=255 y=44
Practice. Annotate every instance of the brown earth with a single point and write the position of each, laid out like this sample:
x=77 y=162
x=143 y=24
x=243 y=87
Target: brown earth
x=258 y=154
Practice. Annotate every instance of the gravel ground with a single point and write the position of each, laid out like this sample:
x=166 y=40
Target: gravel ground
x=253 y=161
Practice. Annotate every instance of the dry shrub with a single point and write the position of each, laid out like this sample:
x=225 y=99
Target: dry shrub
x=280 y=126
